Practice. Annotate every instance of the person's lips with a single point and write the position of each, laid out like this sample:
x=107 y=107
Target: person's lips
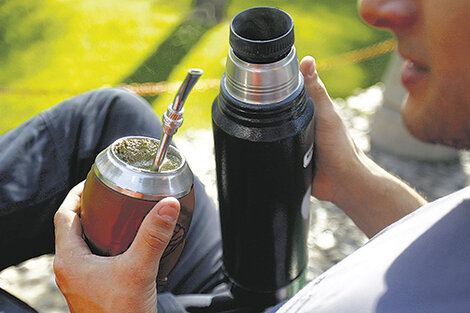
x=413 y=73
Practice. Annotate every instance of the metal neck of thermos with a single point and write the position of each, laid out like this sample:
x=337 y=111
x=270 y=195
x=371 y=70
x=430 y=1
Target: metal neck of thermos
x=262 y=83
x=262 y=66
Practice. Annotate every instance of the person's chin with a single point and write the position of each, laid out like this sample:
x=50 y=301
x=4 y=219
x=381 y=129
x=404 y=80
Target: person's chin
x=428 y=131
x=415 y=120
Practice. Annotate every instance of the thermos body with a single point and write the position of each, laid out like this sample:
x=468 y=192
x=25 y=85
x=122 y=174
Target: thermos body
x=263 y=132
x=264 y=175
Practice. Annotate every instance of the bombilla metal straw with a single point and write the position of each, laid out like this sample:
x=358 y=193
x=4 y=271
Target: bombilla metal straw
x=173 y=117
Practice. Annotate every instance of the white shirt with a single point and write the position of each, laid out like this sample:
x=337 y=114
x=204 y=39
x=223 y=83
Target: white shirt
x=419 y=264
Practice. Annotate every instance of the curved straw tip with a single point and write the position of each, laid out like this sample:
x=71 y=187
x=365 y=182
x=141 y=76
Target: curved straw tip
x=195 y=71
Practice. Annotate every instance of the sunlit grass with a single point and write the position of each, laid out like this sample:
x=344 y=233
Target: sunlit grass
x=88 y=44
x=320 y=31
x=97 y=44
x=209 y=54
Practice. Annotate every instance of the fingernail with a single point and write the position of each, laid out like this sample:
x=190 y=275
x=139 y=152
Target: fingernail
x=311 y=69
x=168 y=212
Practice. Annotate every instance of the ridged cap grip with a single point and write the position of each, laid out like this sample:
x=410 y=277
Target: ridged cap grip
x=262 y=35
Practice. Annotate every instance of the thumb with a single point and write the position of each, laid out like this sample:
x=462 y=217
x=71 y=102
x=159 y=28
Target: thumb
x=327 y=118
x=313 y=83
x=154 y=235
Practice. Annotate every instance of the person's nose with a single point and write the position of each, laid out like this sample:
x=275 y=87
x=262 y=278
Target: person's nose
x=390 y=14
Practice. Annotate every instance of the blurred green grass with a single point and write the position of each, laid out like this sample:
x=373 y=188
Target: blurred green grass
x=67 y=47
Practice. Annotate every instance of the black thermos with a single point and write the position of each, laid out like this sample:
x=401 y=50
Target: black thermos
x=263 y=134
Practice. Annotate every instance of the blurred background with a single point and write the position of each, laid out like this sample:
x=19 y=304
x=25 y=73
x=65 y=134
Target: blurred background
x=54 y=49
x=51 y=50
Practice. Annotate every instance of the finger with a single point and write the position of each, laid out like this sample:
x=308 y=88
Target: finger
x=68 y=229
x=313 y=83
x=74 y=194
x=154 y=234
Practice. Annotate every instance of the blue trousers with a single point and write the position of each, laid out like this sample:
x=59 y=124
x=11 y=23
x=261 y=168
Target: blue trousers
x=41 y=160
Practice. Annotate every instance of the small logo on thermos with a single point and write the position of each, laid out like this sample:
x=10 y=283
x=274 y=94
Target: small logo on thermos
x=308 y=156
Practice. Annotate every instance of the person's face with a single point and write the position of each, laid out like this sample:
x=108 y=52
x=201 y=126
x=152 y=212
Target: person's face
x=434 y=38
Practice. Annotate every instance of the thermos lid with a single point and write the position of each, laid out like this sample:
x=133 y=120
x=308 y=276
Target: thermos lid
x=262 y=35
